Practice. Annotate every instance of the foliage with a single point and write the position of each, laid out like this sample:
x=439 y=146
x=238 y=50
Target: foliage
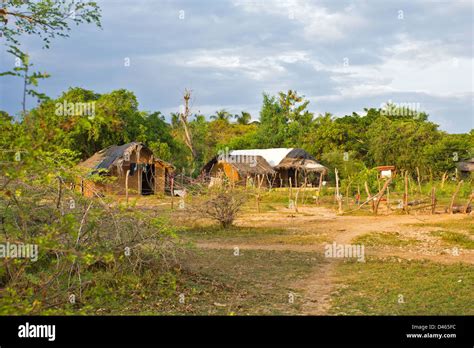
x=223 y=206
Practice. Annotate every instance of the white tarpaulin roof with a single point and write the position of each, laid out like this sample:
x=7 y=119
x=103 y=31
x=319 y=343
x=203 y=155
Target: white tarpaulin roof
x=313 y=166
x=272 y=156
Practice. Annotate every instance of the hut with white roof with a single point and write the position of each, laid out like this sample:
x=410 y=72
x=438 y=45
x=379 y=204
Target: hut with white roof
x=291 y=166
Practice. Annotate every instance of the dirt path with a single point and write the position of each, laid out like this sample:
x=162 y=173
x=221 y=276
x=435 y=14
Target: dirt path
x=318 y=287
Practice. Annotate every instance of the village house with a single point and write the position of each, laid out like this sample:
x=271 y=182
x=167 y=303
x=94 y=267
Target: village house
x=127 y=169
x=280 y=166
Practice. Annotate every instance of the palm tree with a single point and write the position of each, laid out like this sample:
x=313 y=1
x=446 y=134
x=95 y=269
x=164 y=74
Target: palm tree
x=175 y=120
x=222 y=115
x=244 y=118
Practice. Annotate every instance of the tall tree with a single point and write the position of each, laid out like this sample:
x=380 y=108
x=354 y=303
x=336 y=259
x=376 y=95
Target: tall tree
x=222 y=115
x=243 y=118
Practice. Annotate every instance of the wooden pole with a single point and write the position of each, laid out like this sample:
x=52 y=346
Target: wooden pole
x=369 y=196
x=454 y=196
x=320 y=186
x=443 y=179
x=358 y=194
x=257 y=196
x=405 y=195
x=418 y=179
x=433 y=200
x=172 y=191
x=290 y=193
x=126 y=185
x=380 y=195
x=338 y=196
x=388 y=198
x=471 y=197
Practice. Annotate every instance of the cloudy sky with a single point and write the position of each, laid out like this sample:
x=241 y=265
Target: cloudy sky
x=343 y=56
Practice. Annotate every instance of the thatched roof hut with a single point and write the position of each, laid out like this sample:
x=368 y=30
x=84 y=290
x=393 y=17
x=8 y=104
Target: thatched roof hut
x=133 y=166
x=238 y=168
x=283 y=164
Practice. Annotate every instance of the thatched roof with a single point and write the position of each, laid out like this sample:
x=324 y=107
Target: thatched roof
x=285 y=158
x=270 y=160
x=302 y=164
x=244 y=165
x=466 y=166
x=114 y=156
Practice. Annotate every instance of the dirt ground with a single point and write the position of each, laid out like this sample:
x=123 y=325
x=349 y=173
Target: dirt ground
x=325 y=225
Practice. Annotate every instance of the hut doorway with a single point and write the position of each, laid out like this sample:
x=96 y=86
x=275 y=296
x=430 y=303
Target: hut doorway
x=148 y=179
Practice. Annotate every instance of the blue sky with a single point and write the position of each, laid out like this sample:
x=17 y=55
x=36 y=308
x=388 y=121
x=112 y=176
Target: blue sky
x=343 y=56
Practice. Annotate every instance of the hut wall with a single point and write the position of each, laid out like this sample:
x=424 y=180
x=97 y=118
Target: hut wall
x=227 y=168
x=117 y=186
x=160 y=178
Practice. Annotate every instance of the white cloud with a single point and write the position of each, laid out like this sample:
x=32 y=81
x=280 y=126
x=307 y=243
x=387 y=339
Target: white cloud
x=253 y=64
x=319 y=24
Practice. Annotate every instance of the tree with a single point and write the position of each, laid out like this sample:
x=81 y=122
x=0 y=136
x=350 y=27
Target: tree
x=184 y=117
x=243 y=118
x=44 y=18
x=444 y=154
x=283 y=122
x=221 y=115
x=22 y=70
x=400 y=142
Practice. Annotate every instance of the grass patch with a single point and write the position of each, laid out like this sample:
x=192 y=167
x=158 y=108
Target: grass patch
x=428 y=288
x=465 y=225
x=384 y=238
x=257 y=282
x=246 y=235
x=455 y=238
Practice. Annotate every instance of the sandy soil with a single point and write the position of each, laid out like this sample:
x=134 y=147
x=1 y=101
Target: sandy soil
x=317 y=288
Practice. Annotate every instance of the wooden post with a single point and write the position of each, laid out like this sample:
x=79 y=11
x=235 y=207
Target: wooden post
x=405 y=195
x=380 y=195
x=290 y=193
x=418 y=179
x=443 y=179
x=388 y=198
x=172 y=191
x=433 y=200
x=338 y=196
x=320 y=186
x=471 y=197
x=454 y=196
x=358 y=194
x=369 y=196
x=126 y=185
